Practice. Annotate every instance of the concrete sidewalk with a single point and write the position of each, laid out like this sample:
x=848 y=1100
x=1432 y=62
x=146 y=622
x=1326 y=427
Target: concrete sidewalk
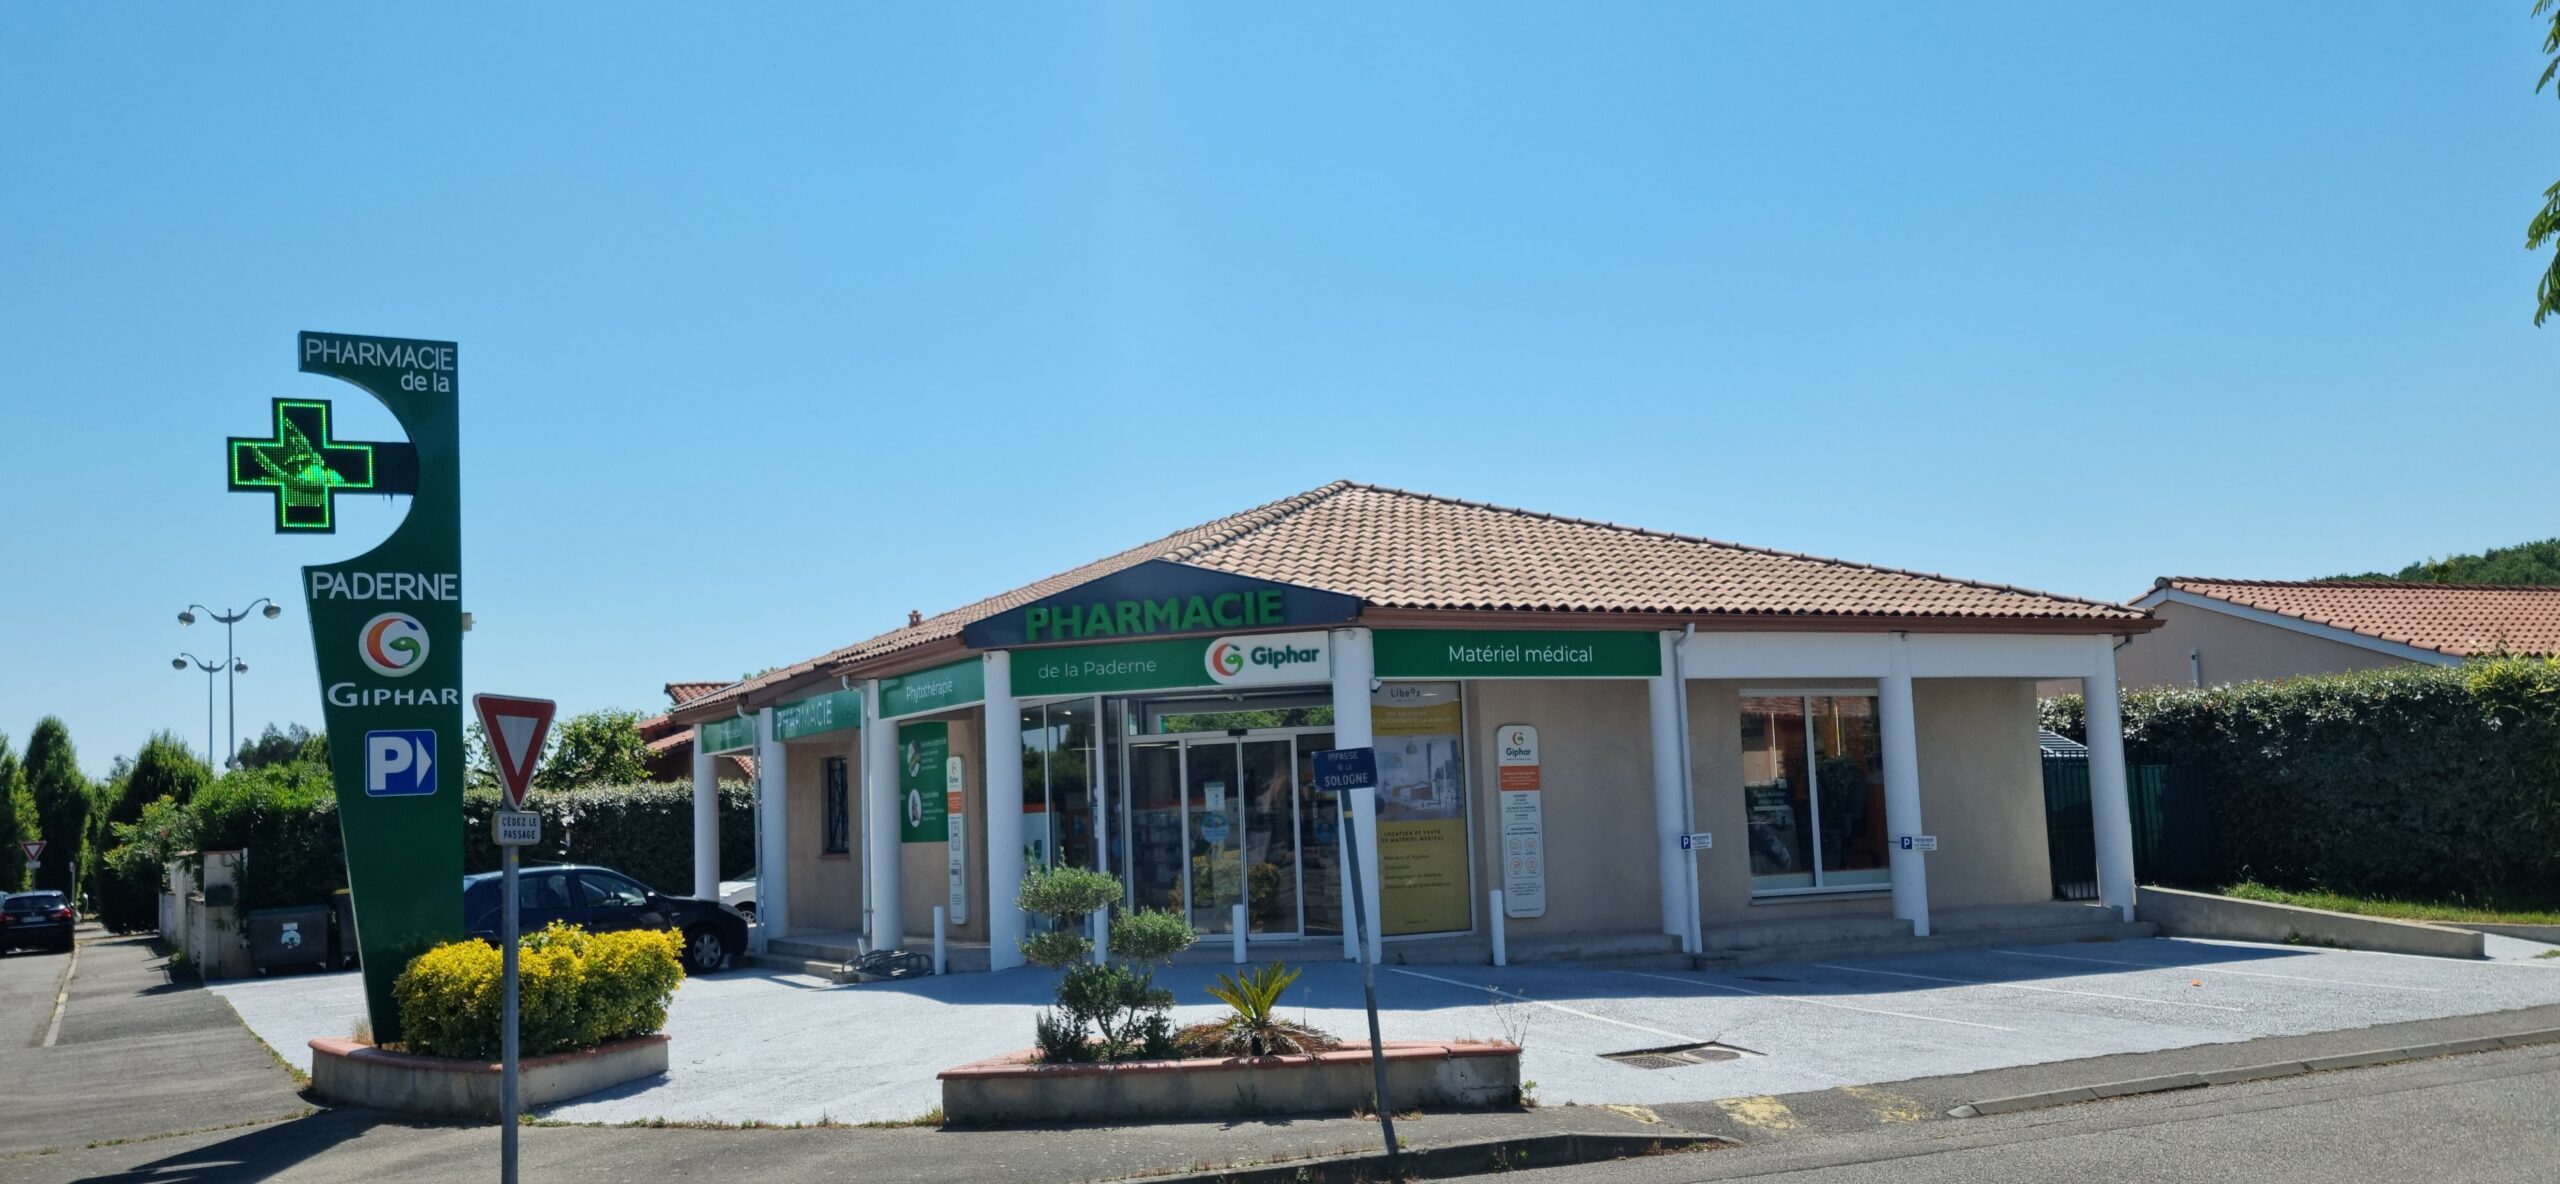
x=346 y=1145
x=133 y=1053
x=771 y=1047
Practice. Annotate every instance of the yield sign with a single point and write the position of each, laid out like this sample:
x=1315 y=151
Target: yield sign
x=516 y=730
x=34 y=849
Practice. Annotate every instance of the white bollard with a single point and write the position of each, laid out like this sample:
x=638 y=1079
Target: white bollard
x=941 y=915
x=1236 y=919
x=1501 y=944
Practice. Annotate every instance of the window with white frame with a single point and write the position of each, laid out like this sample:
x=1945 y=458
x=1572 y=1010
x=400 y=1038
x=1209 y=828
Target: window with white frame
x=1813 y=787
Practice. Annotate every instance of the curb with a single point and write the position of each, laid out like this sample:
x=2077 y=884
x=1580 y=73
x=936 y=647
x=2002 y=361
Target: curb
x=1458 y=1159
x=2246 y=1073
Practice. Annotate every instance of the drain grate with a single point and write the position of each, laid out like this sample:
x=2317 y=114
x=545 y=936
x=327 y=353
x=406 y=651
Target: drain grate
x=1675 y=1056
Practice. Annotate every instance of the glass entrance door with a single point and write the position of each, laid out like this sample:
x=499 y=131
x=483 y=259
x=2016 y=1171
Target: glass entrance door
x=1218 y=820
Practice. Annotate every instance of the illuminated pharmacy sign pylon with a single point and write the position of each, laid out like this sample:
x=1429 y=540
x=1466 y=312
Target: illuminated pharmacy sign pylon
x=307 y=469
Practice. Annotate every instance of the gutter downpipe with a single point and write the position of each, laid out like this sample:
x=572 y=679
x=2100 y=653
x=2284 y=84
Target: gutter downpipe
x=1695 y=939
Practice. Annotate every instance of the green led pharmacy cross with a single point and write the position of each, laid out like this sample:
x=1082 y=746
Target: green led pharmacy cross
x=306 y=470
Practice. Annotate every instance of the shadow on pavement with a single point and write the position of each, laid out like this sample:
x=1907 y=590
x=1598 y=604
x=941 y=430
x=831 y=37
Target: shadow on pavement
x=257 y=1154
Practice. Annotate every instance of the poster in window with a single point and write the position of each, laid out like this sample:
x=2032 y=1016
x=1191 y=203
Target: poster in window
x=1422 y=809
x=924 y=757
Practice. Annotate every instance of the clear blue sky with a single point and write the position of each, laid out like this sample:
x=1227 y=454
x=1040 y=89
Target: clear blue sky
x=775 y=326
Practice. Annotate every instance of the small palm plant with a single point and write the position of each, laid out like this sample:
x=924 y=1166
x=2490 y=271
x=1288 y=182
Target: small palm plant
x=1253 y=1027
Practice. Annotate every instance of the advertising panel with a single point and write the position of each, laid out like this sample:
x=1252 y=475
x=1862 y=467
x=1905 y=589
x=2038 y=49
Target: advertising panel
x=1422 y=809
x=924 y=759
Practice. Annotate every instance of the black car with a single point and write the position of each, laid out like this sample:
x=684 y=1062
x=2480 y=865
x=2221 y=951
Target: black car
x=600 y=899
x=32 y=919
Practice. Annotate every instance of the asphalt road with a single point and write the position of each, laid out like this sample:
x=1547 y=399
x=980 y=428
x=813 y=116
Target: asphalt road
x=2454 y=1120
x=133 y=1055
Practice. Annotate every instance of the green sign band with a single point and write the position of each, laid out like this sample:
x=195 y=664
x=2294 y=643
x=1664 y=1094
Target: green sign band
x=732 y=734
x=924 y=757
x=958 y=684
x=386 y=629
x=817 y=714
x=1252 y=659
x=1488 y=653
x=1138 y=618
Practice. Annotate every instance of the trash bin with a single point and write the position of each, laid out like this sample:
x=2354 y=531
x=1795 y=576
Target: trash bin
x=342 y=929
x=296 y=935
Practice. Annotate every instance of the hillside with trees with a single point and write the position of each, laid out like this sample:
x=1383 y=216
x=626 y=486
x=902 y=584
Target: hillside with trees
x=2524 y=563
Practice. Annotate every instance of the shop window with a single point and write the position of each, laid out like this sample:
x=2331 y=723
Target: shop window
x=835 y=783
x=1059 y=783
x=1813 y=785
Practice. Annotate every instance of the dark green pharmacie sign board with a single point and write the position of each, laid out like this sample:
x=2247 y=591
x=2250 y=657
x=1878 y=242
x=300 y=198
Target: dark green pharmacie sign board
x=728 y=735
x=1159 y=598
x=817 y=714
x=1524 y=653
x=386 y=629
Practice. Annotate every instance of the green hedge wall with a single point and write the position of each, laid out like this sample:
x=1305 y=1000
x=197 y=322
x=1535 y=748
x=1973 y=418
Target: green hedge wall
x=2430 y=781
x=644 y=831
x=286 y=817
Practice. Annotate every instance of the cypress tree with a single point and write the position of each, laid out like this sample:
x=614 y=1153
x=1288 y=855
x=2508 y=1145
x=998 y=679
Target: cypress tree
x=62 y=802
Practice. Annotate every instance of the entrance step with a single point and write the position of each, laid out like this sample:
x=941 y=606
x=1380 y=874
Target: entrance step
x=1746 y=936
x=1862 y=948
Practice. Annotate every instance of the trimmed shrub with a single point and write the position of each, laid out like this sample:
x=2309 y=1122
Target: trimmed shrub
x=2427 y=781
x=574 y=990
x=286 y=818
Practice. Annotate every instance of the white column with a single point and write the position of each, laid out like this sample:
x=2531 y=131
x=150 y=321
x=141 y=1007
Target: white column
x=1004 y=814
x=1354 y=662
x=706 y=821
x=1896 y=720
x=2110 y=807
x=1669 y=782
x=773 y=835
x=880 y=849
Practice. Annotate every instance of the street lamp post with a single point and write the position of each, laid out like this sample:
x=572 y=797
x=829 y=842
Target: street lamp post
x=210 y=669
x=231 y=663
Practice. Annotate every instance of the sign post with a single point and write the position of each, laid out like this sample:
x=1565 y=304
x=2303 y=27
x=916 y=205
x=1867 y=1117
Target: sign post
x=386 y=634
x=1343 y=772
x=516 y=728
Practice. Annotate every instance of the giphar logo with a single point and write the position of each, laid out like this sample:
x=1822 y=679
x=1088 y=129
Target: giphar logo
x=1264 y=659
x=393 y=644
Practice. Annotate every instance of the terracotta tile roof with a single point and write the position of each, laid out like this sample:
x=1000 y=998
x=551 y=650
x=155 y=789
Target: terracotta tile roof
x=2454 y=619
x=685 y=692
x=1396 y=549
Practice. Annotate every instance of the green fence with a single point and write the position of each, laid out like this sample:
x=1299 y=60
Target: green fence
x=2172 y=826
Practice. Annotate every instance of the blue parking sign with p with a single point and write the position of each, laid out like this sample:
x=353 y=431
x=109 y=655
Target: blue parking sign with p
x=400 y=763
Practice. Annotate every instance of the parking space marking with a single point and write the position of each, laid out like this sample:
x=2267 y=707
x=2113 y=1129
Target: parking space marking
x=1973 y=982
x=1492 y=990
x=2208 y=969
x=1691 y=982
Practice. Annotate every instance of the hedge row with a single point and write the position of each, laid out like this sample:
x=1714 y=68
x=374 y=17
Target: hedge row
x=2441 y=782
x=643 y=831
x=286 y=818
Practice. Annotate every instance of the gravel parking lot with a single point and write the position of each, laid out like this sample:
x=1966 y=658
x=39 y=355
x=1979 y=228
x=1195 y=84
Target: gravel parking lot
x=761 y=1045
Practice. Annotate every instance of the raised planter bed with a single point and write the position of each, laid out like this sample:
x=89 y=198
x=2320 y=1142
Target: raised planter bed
x=352 y=1074
x=1012 y=1089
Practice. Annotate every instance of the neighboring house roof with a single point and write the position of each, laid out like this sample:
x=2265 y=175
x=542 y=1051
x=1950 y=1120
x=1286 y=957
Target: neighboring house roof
x=686 y=692
x=1399 y=550
x=2421 y=622
x=2054 y=744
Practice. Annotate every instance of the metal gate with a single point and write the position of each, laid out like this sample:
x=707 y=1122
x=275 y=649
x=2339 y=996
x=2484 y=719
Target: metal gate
x=2172 y=822
x=2071 y=841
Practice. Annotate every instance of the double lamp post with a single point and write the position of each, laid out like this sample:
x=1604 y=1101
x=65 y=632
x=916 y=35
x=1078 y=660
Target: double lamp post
x=230 y=667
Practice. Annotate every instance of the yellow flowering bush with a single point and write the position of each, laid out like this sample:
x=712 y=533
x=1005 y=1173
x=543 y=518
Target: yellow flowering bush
x=575 y=989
